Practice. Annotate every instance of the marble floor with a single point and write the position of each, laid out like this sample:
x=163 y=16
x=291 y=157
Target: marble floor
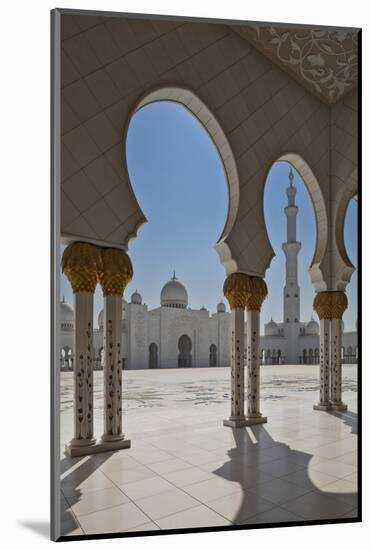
x=185 y=469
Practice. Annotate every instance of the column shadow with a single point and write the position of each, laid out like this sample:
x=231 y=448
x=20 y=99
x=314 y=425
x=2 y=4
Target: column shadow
x=249 y=463
x=69 y=485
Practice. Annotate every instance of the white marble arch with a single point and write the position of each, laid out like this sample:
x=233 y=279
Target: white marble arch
x=344 y=267
x=314 y=189
x=189 y=100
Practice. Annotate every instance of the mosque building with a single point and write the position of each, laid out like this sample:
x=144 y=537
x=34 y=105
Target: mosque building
x=174 y=335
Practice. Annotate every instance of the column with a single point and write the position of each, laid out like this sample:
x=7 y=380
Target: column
x=330 y=307
x=235 y=289
x=339 y=305
x=324 y=366
x=116 y=273
x=258 y=293
x=81 y=264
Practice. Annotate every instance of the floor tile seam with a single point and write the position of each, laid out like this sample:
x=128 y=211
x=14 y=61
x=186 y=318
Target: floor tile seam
x=74 y=516
x=131 y=501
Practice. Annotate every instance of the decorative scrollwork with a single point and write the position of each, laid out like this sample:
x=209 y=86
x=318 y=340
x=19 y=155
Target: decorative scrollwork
x=326 y=61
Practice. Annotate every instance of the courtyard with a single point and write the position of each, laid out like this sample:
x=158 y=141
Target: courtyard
x=186 y=470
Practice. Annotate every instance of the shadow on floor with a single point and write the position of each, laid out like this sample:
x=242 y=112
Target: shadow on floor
x=349 y=418
x=81 y=469
x=253 y=445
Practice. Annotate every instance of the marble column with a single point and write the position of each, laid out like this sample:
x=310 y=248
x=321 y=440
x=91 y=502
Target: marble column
x=324 y=366
x=235 y=290
x=330 y=307
x=258 y=293
x=116 y=273
x=339 y=305
x=81 y=264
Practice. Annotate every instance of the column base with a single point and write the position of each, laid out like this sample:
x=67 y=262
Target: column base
x=252 y=420
x=235 y=422
x=339 y=407
x=323 y=407
x=244 y=421
x=99 y=447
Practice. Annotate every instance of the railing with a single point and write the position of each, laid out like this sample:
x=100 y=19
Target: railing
x=272 y=361
x=349 y=360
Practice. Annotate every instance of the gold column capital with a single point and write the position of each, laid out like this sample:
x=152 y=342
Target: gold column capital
x=245 y=291
x=81 y=263
x=117 y=271
x=330 y=304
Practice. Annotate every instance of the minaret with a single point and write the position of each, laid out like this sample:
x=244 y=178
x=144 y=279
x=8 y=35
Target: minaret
x=291 y=292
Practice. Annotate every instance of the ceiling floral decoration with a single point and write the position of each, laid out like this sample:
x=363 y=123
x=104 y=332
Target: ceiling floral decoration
x=324 y=61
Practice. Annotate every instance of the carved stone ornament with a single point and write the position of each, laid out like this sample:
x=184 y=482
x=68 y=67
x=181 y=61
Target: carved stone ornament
x=82 y=264
x=325 y=62
x=117 y=271
x=330 y=305
x=244 y=291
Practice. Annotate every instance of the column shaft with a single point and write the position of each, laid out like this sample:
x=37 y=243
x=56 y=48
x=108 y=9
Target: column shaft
x=83 y=370
x=237 y=418
x=336 y=365
x=112 y=369
x=253 y=367
x=237 y=367
x=325 y=357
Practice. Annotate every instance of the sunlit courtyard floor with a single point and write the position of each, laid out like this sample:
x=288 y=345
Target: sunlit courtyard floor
x=185 y=469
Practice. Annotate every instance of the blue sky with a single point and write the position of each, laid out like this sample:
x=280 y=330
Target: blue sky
x=178 y=179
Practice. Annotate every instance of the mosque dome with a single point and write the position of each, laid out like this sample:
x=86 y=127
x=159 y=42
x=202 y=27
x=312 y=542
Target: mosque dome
x=136 y=298
x=312 y=327
x=220 y=308
x=67 y=313
x=271 y=328
x=174 y=294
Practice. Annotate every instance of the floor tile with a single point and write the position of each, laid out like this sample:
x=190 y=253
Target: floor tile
x=146 y=487
x=278 y=491
x=113 y=520
x=166 y=503
x=199 y=516
x=167 y=466
x=132 y=474
x=333 y=468
x=279 y=468
x=98 y=500
x=212 y=489
x=181 y=478
x=275 y=515
x=317 y=505
x=310 y=480
x=150 y=526
x=239 y=507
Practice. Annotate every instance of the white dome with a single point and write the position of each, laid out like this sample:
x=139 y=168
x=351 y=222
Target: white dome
x=174 y=294
x=220 y=308
x=136 y=298
x=67 y=313
x=271 y=328
x=312 y=327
